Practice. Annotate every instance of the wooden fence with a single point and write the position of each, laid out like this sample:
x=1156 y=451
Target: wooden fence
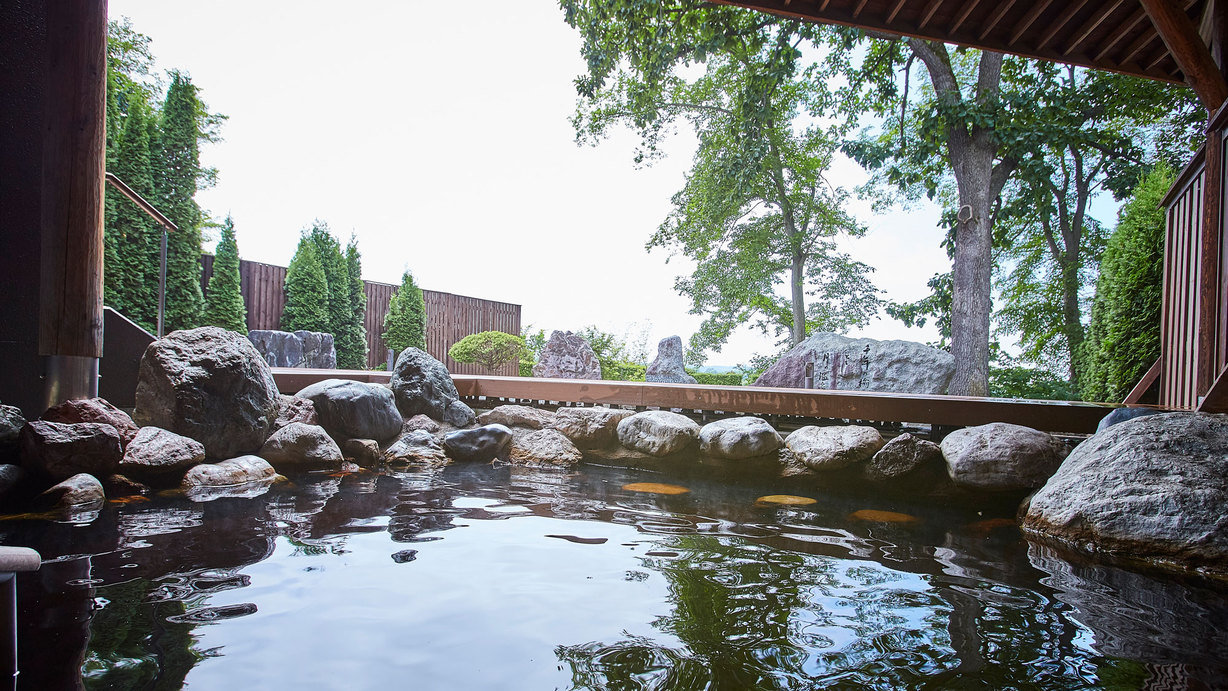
x=1179 y=313
x=449 y=317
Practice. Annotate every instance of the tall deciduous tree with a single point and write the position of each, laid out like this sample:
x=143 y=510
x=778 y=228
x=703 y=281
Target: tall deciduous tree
x=405 y=323
x=352 y=340
x=757 y=214
x=224 y=303
x=306 y=289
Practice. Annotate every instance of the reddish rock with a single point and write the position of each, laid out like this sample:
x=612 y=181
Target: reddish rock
x=60 y=450
x=94 y=410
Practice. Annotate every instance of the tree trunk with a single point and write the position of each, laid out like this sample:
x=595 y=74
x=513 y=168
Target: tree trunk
x=797 y=277
x=970 y=300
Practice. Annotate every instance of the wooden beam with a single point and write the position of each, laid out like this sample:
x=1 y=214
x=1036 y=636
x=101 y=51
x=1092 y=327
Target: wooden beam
x=1028 y=20
x=963 y=15
x=895 y=10
x=1216 y=400
x=1209 y=269
x=1187 y=48
x=1061 y=22
x=1136 y=394
x=1111 y=41
x=928 y=13
x=74 y=139
x=1092 y=24
x=996 y=16
x=861 y=5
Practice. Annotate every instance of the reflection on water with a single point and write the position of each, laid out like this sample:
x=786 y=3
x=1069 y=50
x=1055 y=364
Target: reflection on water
x=548 y=579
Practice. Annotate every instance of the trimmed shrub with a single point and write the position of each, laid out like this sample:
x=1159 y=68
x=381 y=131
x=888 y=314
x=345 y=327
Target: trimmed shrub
x=490 y=349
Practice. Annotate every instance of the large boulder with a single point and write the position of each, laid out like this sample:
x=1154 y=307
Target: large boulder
x=209 y=384
x=58 y=450
x=229 y=473
x=416 y=446
x=160 y=457
x=483 y=444
x=1120 y=415
x=518 y=416
x=833 y=448
x=299 y=445
x=1001 y=457
x=422 y=385
x=74 y=493
x=862 y=364
x=544 y=447
x=295 y=349
x=590 y=428
x=1152 y=488
x=94 y=410
x=668 y=366
x=902 y=457
x=353 y=409
x=658 y=432
x=567 y=356
x=739 y=437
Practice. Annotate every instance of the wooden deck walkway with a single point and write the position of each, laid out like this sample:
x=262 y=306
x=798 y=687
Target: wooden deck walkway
x=954 y=411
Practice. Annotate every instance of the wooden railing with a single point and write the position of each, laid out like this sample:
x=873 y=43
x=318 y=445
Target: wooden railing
x=955 y=411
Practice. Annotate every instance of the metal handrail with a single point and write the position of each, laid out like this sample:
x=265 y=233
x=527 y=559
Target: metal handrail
x=167 y=225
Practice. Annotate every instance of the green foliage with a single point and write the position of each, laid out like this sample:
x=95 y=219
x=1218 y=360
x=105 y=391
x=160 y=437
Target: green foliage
x=623 y=370
x=1123 y=338
x=534 y=341
x=352 y=337
x=490 y=349
x=336 y=275
x=306 y=289
x=1015 y=381
x=716 y=378
x=758 y=365
x=132 y=240
x=224 y=302
x=405 y=323
x=757 y=215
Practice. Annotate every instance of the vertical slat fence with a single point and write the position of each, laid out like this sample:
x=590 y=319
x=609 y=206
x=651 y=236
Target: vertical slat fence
x=1179 y=317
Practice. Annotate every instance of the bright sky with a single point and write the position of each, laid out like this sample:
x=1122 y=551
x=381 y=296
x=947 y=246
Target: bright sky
x=440 y=138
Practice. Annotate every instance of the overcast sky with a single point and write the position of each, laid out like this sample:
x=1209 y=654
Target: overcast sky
x=440 y=138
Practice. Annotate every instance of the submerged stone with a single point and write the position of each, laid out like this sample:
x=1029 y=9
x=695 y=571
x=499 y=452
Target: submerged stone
x=738 y=438
x=658 y=432
x=833 y=448
x=160 y=456
x=589 y=428
x=1001 y=457
x=481 y=444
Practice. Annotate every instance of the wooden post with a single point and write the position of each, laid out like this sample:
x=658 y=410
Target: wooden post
x=1208 y=266
x=73 y=164
x=1192 y=55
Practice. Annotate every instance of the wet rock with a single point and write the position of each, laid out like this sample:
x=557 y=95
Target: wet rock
x=364 y=452
x=160 y=456
x=94 y=410
x=658 y=432
x=518 y=416
x=58 y=450
x=294 y=409
x=739 y=437
x=833 y=448
x=1001 y=457
x=458 y=414
x=416 y=446
x=405 y=555
x=862 y=364
x=590 y=428
x=480 y=444
x=668 y=366
x=78 y=491
x=421 y=422
x=354 y=410
x=567 y=356
x=295 y=348
x=900 y=457
x=229 y=473
x=11 y=422
x=117 y=485
x=422 y=384
x=209 y=384
x=1153 y=488
x=1119 y=415
x=544 y=447
x=301 y=446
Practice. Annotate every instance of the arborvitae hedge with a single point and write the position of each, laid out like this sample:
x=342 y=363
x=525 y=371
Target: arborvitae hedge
x=306 y=292
x=405 y=323
x=352 y=339
x=224 y=303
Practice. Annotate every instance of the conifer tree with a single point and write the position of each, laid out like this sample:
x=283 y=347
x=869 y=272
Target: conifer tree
x=224 y=303
x=405 y=323
x=136 y=237
x=306 y=289
x=352 y=341
x=328 y=251
x=182 y=128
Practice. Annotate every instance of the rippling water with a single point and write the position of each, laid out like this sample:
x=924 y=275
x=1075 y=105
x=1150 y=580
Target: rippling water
x=481 y=577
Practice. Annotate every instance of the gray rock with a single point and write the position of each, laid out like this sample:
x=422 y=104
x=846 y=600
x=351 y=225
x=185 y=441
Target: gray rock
x=833 y=448
x=58 y=450
x=482 y=444
x=364 y=452
x=160 y=456
x=94 y=410
x=590 y=428
x=295 y=349
x=1001 y=457
x=421 y=422
x=567 y=356
x=739 y=437
x=900 y=457
x=658 y=432
x=458 y=414
x=229 y=473
x=11 y=422
x=1152 y=488
x=518 y=416
x=422 y=385
x=354 y=410
x=416 y=446
x=668 y=366
x=1119 y=415
x=863 y=364
x=80 y=490
x=209 y=384
x=298 y=445
x=544 y=447
x=294 y=409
